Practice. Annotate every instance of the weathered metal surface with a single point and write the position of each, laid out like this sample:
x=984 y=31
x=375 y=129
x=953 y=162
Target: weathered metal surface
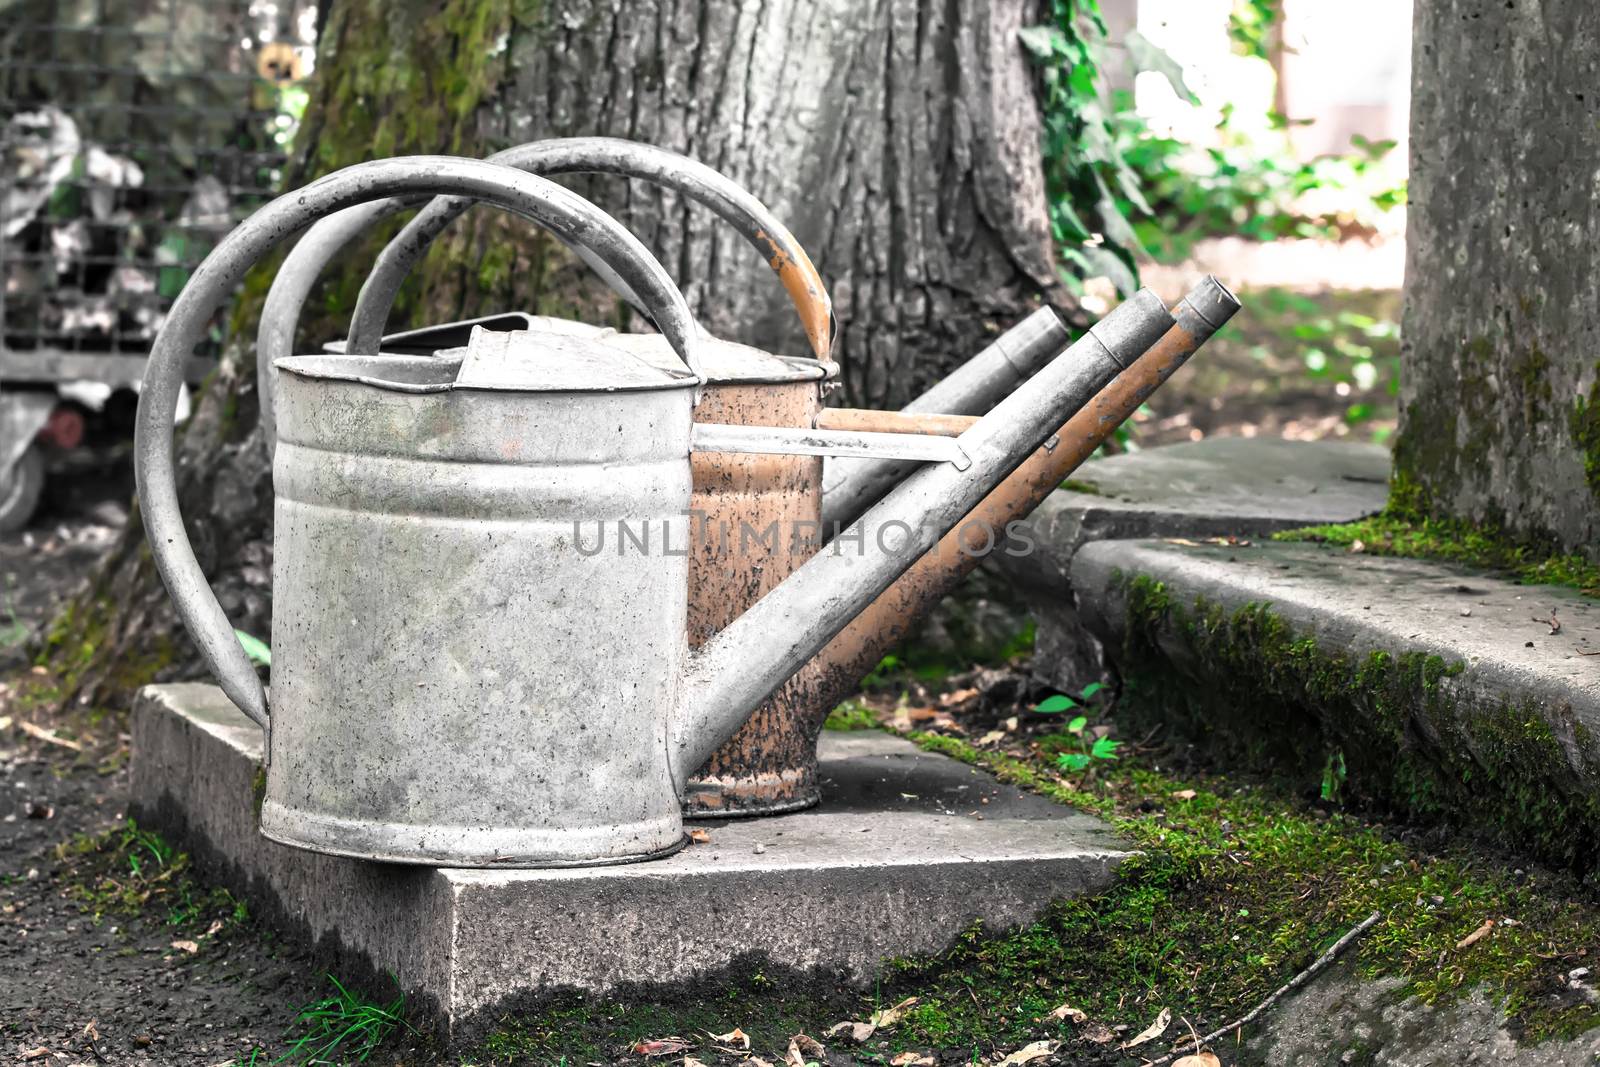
x=780 y=761
x=609 y=155
x=186 y=324
x=731 y=202
x=798 y=618
x=867 y=420
x=469 y=669
x=459 y=678
x=747 y=511
x=838 y=669
x=849 y=486
x=916 y=448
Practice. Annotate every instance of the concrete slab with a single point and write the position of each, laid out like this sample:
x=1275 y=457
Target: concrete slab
x=907 y=850
x=1221 y=487
x=1478 y=724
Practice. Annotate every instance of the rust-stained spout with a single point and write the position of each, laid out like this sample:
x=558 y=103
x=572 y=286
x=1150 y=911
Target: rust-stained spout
x=747 y=660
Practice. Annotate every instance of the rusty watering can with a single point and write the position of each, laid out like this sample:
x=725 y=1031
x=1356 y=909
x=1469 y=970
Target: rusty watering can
x=459 y=678
x=769 y=765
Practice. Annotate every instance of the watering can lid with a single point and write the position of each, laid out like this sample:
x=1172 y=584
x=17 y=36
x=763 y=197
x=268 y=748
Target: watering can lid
x=427 y=340
x=542 y=361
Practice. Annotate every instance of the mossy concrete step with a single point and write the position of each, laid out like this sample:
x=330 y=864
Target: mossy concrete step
x=907 y=850
x=1224 y=486
x=1444 y=693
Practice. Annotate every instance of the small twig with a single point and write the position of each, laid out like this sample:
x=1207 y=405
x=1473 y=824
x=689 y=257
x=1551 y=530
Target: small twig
x=1294 y=983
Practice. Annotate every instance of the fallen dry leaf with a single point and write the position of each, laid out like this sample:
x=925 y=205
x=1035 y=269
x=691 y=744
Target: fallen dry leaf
x=35 y=1053
x=5 y=722
x=959 y=696
x=991 y=737
x=690 y=1061
x=92 y=1030
x=214 y=928
x=793 y=1057
x=912 y=1059
x=33 y=729
x=699 y=836
x=755 y=1061
x=1184 y=794
x=1153 y=1031
x=664 y=1046
x=186 y=946
x=1358 y=547
x=1097 y=1034
x=881 y=1020
x=1038 y=1050
x=735 y=1036
x=1201 y=1059
x=1477 y=935
x=1067 y=1011
x=810 y=1046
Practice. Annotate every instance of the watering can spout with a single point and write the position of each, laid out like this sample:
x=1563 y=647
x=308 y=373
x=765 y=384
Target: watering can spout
x=757 y=652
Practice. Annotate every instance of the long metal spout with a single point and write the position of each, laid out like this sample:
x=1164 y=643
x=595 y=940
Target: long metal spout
x=850 y=486
x=890 y=619
x=753 y=655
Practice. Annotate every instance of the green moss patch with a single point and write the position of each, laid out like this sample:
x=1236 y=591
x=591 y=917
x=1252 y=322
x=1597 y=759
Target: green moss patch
x=1401 y=531
x=130 y=871
x=1386 y=730
x=1240 y=885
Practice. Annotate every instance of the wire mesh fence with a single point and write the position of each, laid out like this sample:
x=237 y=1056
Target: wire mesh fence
x=133 y=135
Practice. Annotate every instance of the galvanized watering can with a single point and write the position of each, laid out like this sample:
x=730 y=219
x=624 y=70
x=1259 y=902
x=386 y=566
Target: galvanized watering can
x=459 y=679
x=769 y=765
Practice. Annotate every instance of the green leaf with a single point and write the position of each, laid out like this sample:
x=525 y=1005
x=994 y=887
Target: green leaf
x=1054 y=705
x=255 y=648
x=1072 y=761
x=1076 y=725
x=1091 y=689
x=1042 y=41
x=1105 y=748
x=1148 y=56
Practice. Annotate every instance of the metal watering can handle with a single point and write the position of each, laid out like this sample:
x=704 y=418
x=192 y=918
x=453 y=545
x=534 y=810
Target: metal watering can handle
x=608 y=155
x=563 y=212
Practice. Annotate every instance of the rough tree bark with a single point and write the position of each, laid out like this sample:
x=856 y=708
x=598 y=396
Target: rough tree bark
x=899 y=139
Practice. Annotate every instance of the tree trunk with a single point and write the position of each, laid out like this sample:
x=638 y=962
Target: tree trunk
x=899 y=140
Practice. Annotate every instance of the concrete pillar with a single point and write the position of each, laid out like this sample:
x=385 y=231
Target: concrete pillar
x=1501 y=398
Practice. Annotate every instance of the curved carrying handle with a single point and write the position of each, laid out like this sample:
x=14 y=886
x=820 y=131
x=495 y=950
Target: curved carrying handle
x=560 y=210
x=608 y=155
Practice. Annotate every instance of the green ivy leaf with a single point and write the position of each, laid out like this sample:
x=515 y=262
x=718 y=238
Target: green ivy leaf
x=1054 y=705
x=1043 y=41
x=258 y=651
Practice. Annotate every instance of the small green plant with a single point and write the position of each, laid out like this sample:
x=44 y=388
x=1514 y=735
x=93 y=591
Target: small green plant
x=144 y=849
x=1083 y=746
x=1333 y=775
x=1088 y=747
x=1060 y=702
x=344 y=1027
